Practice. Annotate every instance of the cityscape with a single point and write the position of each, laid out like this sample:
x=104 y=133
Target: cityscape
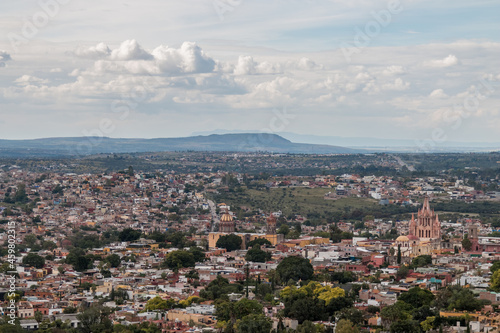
x=237 y=166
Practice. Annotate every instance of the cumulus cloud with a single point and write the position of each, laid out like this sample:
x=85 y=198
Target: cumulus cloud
x=130 y=50
x=27 y=80
x=394 y=70
x=306 y=64
x=4 y=56
x=450 y=60
x=131 y=58
x=189 y=58
x=100 y=50
x=187 y=77
x=438 y=94
x=397 y=85
x=246 y=65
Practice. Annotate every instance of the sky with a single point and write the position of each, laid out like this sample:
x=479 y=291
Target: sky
x=423 y=70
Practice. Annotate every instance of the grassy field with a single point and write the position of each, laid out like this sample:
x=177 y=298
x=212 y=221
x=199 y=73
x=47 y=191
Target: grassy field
x=296 y=200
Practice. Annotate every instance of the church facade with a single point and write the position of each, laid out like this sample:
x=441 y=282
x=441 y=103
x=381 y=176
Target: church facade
x=424 y=236
x=228 y=225
x=427 y=225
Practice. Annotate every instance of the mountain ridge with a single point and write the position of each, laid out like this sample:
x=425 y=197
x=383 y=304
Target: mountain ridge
x=237 y=142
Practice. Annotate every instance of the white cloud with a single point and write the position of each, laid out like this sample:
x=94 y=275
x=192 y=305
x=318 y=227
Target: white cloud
x=100 y=50
x=130 y=57
x=246 y=65
x=398 y=85
x=199 y=81
x=394 y=70
x=4 y=56
x=306 y=64
x=450 y=60
x=438 y=94
x=189 y=58
x=130 y=50
x=27 y=80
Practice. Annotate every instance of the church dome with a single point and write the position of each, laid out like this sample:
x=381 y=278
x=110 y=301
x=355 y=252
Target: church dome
x=402 y=239
x=226 y=218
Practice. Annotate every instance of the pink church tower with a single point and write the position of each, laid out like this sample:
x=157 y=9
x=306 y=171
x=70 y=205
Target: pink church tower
x=427 y=225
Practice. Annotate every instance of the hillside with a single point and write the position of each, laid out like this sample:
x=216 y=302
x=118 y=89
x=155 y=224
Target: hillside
x=82 y=146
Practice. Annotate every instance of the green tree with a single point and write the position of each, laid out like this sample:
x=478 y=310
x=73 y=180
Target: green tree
x=303 y=307
x=421 y=261
x=179 y=259
x=30 y=240
x=198 y=253
x=192 y=274
x=58 y=189
x=428 y=324
x=495 y=281
x=38 y=316
x=352 y=314
x=95 y=319
x=114 y=260
x=466 y=243
x=423 y=312
x=399 y=254
x=399 y=311
x=457 y=298
x=129 y=235
x=405 y=326
x=9 y=328
x=495 y=266
x=283 y=229
x=79 y=260
x=255 y=254
x=295 y=268
x=21 y=196
x=417 y=297
x=158 y=303
x=220 y=288
x=307 y=327
x=229 y=242
x=49 y=245
x=345 y=326
x=34 y=260
x=258 y=241
x=230 y=311
x=342 y=277
x=402 y=272
x=254 y=323
x=263 y=290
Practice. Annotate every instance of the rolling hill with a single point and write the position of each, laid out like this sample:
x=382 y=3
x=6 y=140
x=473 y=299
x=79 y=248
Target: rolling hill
x=83 y=146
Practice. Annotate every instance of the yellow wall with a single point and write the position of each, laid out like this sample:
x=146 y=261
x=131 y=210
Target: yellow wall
x=186 y=317
x=305 y=242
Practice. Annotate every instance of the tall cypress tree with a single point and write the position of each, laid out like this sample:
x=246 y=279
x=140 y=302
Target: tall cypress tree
x=399 y=254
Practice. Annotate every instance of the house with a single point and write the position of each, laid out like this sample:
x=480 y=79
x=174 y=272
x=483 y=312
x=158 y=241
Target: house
x=29 y=324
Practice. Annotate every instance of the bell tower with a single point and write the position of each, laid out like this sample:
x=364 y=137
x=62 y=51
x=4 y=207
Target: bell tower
x=271 y=225
x=427 y=225
x=227 y=224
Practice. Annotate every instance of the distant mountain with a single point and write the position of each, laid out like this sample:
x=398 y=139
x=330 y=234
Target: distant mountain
x=377 y=144
x=82 y=146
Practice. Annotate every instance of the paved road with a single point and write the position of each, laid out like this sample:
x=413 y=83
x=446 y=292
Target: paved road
x=402 y=163
x=215 y=217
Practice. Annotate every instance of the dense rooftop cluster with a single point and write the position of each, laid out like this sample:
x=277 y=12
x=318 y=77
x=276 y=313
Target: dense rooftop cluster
x=134 y=251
